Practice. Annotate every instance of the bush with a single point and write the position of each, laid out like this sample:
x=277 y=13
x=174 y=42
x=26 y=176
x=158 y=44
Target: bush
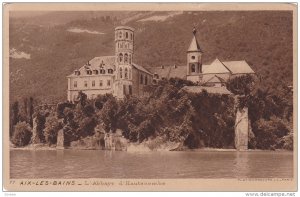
x=22 y=134
x=269 y=133
x=288 y=141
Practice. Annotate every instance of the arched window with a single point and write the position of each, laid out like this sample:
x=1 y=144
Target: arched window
x=129 y=59
x=126 y=73
x=193 y=68
x=121 y=76
x=141 y=79
x=129 y=73
x=120 y=34
x=120 y=57
x=146 y=80
x=131 y=36
x=126 y=35
x=126 y=58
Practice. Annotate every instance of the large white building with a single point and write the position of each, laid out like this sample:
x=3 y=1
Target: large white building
x=115 y=74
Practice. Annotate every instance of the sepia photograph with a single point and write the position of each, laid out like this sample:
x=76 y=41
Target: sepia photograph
x=156 y=97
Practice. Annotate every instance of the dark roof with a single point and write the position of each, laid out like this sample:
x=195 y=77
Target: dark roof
x=169 y=71
x=105 y=62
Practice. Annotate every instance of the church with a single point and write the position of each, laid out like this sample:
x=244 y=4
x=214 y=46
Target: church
x=211 y=77
x=120 y=76
x=117 y=74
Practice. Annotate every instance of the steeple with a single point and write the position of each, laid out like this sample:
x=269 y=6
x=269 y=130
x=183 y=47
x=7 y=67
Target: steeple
x=194 y=46
x=194 y=60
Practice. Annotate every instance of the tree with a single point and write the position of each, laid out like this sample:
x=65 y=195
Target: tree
x=22 y=134
x=52 y=126
x=108 y=114
x=14 y=117
x=241 y=85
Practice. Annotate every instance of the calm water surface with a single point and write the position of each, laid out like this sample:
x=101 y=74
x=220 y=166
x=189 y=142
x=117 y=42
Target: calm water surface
x=107 y=164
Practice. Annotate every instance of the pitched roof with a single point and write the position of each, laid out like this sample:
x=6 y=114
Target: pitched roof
x=194 y=46
x=215 y=67
x=212 y=90
x=215 y=79
x=169 y=71
x=141 y=68
x=239 y=67
x=105 y=62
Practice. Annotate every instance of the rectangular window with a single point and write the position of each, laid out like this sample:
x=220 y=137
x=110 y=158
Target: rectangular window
x=100 y=83
x=108 y=82
x=75 y=84
x=85 y=84
x=93 y=83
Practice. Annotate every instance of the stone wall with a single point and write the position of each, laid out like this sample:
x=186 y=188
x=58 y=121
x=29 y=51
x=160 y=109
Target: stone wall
x=242 y=129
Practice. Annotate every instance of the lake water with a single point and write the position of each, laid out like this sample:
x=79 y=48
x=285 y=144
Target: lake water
x=108 y=164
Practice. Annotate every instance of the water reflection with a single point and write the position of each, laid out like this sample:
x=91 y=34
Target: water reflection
x=118 y=164
x=241 y=164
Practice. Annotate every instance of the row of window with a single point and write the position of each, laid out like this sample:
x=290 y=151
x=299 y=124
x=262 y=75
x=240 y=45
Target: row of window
x=85 y=83
x=125 y=34
x=124 y=45
x=127 y=73
x=95 y=72
x=124 y=58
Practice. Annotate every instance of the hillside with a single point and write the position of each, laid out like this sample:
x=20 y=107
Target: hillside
x=51 y=51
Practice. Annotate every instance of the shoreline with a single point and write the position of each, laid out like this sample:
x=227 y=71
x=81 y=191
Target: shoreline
x=45 y=147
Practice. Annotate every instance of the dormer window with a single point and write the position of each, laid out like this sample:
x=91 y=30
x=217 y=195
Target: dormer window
x=102 y=71
x=77 y=72
x=89 y=72
x=110 y=71
x=95 y=72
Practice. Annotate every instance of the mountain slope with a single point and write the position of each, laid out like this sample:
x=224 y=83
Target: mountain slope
x=263 y=39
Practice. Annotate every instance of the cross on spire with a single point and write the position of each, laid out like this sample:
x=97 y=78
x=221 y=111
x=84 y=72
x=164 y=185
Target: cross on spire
x=194 y=30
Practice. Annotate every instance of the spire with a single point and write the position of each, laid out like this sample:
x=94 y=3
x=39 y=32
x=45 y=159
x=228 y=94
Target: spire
x=194 y=46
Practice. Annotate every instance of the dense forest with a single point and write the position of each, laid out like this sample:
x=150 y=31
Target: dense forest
x=194 y=120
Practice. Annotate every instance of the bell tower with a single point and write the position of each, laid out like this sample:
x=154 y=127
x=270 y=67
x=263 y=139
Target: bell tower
x=194 y=60
x=124 y=49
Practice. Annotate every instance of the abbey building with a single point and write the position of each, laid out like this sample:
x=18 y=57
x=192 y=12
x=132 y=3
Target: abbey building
x=117 y=74
x=120 y=76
